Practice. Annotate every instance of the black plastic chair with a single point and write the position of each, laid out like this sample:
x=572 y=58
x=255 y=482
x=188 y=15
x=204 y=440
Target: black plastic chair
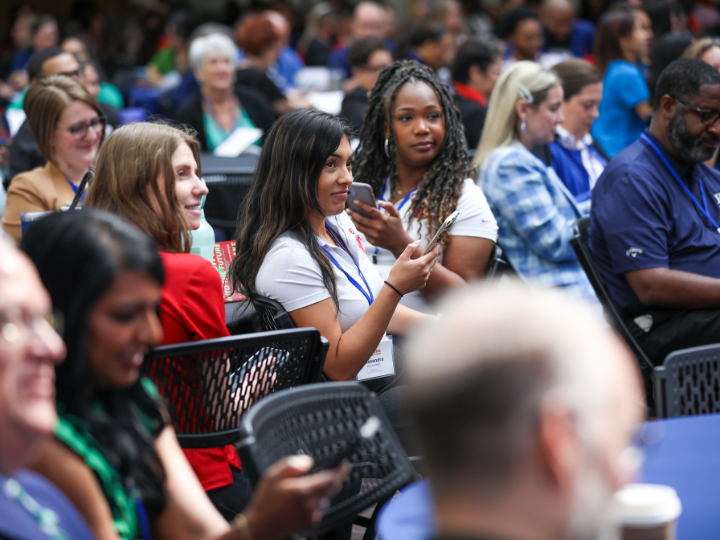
x=228 y=181
x=688 y=382
x=271 y=315
x=321 y=420
x=497 y=265
x=581 y=245
x=208 y=385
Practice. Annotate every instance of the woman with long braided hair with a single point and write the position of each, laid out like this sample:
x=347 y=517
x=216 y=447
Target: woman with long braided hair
x=413 y=154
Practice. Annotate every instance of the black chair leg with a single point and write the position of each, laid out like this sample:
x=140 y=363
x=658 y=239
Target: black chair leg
x=370 y=533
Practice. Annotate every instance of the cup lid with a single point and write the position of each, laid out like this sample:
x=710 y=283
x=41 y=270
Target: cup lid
x=645 y=504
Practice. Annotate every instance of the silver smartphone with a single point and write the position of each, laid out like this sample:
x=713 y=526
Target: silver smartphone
x=444 y=228
x=360 y=192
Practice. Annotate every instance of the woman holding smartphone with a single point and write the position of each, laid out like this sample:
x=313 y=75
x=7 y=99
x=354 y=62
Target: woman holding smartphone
x=297 y=246
x=413 y=154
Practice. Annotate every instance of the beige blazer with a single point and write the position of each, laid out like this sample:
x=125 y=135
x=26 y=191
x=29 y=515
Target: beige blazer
x=43 y=188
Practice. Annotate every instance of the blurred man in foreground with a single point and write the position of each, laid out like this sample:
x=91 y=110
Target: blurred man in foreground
x=526 y=410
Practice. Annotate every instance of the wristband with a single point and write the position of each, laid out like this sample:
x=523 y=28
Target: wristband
x=394 y=288
x=240 y=523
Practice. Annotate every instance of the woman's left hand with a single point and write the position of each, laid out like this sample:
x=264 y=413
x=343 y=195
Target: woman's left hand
x=382 y=229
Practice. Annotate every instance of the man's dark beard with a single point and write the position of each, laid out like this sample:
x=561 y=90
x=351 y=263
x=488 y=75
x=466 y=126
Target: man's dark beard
x=689 y=149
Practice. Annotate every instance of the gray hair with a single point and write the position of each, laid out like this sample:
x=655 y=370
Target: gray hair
x=479 y=378
x=202 y=46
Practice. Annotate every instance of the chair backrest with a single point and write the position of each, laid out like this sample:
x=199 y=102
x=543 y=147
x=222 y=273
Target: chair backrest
x=208 y=385
x=272 y=315
x=321 y=420
x=497 y=265
x=228 y=181
x=688 y=382
x=581 y=245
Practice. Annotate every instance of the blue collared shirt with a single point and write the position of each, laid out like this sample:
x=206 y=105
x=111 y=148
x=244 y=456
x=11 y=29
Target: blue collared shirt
x=641 y=218
x=535 y=214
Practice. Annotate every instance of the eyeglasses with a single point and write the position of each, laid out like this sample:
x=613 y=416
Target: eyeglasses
x=708 y=117
x=80 y=130
x=75 y=73
x=16 y=328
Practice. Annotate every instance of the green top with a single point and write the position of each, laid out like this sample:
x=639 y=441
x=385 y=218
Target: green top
x=163 y=61
x=17 y=102
x=108 y=94
x=216 y=135
x=75 y=433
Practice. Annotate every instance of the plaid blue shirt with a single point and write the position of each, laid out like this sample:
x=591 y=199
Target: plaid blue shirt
x=535 y=214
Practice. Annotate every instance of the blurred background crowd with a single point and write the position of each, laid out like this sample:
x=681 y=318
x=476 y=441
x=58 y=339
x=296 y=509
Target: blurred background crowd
x=138 y=55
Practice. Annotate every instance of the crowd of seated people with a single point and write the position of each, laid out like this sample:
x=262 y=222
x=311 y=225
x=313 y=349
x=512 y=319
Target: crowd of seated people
x=518 y=134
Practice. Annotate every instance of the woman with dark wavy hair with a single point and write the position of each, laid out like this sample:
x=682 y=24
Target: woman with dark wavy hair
x=413 y=154
x=114 y=453
x=298 y=247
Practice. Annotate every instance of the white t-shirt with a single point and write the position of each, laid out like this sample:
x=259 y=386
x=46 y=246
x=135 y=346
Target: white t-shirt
x=292 y=277
x=475 y=219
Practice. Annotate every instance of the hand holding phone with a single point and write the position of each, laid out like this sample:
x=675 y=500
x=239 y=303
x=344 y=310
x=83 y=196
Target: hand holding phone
x=444 y=228
x=361 y=192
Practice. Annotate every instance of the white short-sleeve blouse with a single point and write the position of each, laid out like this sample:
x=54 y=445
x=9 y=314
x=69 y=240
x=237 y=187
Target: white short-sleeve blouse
x=291 y=276
x=475 y=219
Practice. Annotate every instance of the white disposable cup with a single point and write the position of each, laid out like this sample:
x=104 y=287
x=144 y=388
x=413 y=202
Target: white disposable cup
x=644 y=512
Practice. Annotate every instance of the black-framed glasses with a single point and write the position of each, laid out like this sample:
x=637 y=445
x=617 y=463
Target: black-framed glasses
x=708 y=117
x=80 y=130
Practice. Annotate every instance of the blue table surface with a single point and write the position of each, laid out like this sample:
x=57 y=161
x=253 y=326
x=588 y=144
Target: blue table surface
x=685 y=455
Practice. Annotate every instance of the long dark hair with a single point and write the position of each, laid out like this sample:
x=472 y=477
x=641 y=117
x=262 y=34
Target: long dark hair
x=283 y=194
x=439 y=191
x=78 y=255
x=615 y=24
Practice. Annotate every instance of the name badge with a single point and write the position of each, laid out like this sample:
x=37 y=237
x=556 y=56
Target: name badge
x=381 y=363
x=383 y=270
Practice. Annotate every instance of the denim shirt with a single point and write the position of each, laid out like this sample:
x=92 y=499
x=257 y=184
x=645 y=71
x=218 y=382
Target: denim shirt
x=535 y=214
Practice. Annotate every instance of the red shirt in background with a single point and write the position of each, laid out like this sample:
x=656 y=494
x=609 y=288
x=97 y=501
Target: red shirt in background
x=191 y=309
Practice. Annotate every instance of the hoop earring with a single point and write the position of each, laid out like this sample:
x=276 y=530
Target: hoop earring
x=387 y=152
x=523 y=126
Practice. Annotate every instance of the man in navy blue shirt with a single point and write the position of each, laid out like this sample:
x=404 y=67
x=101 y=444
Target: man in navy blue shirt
x=655 y=217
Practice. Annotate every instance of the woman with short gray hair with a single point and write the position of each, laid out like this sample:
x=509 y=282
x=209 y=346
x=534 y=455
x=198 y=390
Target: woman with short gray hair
x=220 y=106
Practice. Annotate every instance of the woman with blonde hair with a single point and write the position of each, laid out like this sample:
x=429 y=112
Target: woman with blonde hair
x=149 y=175
x=68 y=126
x=706 y=49
x=534 y=210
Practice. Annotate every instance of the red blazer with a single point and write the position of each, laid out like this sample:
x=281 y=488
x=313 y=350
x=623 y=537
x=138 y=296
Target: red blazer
x=192 y=308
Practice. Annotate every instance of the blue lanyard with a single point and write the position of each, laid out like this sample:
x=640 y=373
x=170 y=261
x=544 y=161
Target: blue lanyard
x=402 y=203
x=704 y=208
x=75 y=188
x=368 y=295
